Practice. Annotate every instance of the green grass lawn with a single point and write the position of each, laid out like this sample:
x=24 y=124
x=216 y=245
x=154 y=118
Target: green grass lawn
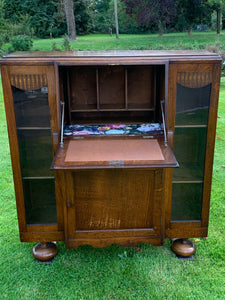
x=114 y=272
x=206 y=40
x=138 y=42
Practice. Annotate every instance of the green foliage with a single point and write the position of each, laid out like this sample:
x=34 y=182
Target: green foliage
x=21 y=43
x=82 y=16
x=3 y=24
x=45 y=19
x=41 y=17
x=102 y=17
x=55 y=47
x=24 y=26
x=66 y=43
x=194 y=12
x=127 y=22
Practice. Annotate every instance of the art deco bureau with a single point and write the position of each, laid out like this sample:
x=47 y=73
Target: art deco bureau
x=111 y=147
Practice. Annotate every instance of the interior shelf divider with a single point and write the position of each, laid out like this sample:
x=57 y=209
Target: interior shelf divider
x=97 y=89
x=68 y=94
x=126 y=91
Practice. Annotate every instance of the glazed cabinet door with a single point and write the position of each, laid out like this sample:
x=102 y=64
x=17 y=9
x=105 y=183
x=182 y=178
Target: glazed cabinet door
x=194 y=113
x=30 y=100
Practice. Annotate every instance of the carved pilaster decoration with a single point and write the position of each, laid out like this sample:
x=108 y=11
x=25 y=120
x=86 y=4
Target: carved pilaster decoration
x=194 y=79
x=28 y=81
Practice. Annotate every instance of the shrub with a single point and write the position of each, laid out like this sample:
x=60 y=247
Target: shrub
x=66 y=43
x=21 y=43
x=54 y=46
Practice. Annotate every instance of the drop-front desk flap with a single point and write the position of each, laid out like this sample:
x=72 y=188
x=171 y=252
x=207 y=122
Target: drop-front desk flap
x=114 y=152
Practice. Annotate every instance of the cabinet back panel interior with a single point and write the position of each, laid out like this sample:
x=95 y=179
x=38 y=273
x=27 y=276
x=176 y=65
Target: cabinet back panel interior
x=95 y=93
x=111 y=87
x=82 y=88
x=104 y=117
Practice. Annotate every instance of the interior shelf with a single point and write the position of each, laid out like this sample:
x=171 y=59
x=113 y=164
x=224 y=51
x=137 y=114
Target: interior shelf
x=109 y=89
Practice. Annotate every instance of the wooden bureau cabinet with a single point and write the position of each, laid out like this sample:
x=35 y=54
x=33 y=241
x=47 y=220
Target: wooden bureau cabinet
x=111 y=147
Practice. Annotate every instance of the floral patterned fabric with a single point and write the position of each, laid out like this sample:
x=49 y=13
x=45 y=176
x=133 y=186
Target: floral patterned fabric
x=113 y=129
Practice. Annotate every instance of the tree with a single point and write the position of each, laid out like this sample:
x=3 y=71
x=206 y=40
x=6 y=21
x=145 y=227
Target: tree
x=127 y=22
x=70 y=19
x=2 y=22
x=153 y=13
x=116 y=18
x=218 y=6
x=102 y=16
x=194 y=11
x=43 y=18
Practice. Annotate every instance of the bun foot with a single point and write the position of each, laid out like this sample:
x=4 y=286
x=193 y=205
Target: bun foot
x=183 y=247
x=45 y=251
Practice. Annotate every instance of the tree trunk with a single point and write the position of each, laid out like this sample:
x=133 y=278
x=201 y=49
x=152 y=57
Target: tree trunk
x=70 y=19
x=116 y=19
x=190 y=30
x=161 y=28
x=218 y=14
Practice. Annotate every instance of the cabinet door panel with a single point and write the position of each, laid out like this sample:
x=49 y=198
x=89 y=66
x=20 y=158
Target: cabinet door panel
x=121 y=203
x=195 y=86
x=190 y=138
x=31 y=102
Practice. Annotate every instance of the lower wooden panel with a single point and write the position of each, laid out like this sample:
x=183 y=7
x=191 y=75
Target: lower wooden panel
x=186 y=230
x=124 y=241
x=42 y=236
x=93 y=234
x=113 y=199
x=116 y=206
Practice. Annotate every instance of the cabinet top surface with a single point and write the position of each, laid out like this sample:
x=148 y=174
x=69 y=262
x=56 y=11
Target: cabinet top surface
x=60 y=56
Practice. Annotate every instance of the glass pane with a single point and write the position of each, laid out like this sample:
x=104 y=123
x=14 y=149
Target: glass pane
x=186 y=201
x=40 y=203
x=192 y=105
x=31 y=107
x=189 y=150
x=35 y=147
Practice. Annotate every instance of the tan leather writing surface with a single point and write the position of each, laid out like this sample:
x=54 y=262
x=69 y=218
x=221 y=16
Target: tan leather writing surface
x=113 y=150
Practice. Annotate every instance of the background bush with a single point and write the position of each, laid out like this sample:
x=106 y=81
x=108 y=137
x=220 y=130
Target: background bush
x=21 y=43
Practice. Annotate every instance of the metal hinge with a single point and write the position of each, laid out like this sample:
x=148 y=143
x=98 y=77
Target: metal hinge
x=116 y=162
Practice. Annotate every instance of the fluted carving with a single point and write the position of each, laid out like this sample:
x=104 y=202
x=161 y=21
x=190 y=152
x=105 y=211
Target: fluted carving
x=194 y=79
x=29 y=81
